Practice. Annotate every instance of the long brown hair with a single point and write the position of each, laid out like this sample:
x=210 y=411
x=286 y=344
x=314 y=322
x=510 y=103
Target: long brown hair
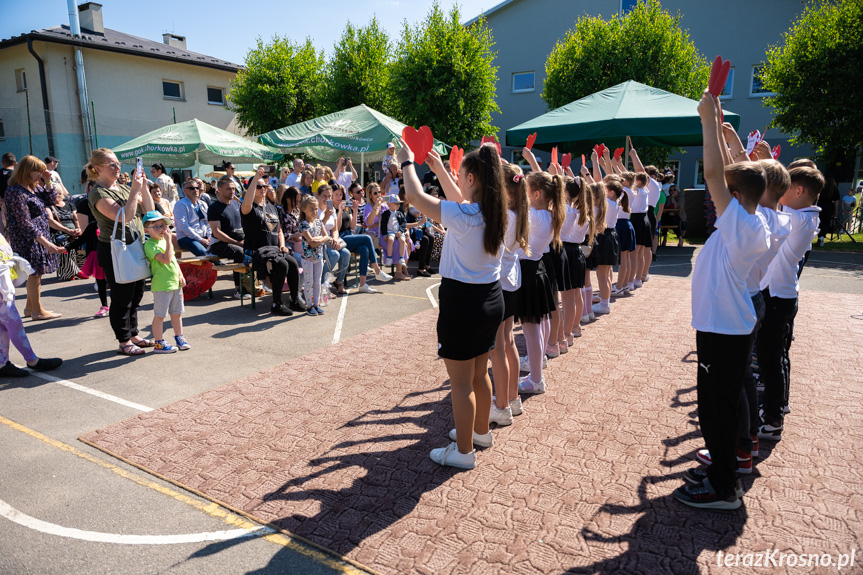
x=577 y=190
x=597 y=192
x=516 y=189
x=622 y=198
x=484 y=164
x=552 y=191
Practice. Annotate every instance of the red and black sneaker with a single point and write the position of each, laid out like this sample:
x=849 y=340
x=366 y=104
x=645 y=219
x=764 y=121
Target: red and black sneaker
x=744 y=460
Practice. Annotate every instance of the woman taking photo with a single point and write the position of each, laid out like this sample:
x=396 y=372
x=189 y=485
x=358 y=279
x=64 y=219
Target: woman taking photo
x=107 y=198
x=27 y=228
x=359 y=244
x=471 y=298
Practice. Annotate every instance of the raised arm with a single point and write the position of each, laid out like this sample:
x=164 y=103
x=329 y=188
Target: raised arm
x=249 y=196
x=636 y=161
x=735 y=146
x=425 y=203
x=527 y=154
x=597 y=173
x=714 y=165
x=449 y=185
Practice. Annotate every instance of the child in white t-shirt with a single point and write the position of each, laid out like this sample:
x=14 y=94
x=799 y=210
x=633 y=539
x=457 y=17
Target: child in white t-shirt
x=722 y=312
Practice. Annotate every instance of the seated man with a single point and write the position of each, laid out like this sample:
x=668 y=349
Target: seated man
x=227 y=226
x=190 y=220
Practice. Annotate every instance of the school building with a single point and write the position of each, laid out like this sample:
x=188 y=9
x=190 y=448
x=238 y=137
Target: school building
x=133 y=85
x=526 y=31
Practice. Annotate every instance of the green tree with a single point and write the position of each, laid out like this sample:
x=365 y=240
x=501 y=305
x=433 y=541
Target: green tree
x=359 y=69
x=646 y=45
x=814 y=75
x=443 y=77
x=280 y=85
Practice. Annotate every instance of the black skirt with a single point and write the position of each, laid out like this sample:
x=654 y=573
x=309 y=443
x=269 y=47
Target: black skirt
x=557 y=268
x=626 y=235
x=536 y=298
x=642 y=229
x=577 y=264
x=607 y=248
x=651 y=220
x=469 y=317
x=510 y=303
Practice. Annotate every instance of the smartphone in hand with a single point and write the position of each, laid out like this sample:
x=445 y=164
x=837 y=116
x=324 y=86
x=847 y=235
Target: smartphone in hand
x=329 y=204
x=139 y=167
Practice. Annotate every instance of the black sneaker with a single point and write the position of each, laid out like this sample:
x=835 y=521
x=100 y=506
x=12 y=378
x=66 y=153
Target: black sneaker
x=697 y=475
x=12 y=370
x=703 y=496
x=47 y=364
x=295 y=305
x=280 y=309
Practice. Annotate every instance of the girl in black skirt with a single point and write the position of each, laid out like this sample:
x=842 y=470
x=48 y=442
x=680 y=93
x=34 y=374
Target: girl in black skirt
x=536 y=294
x=607 y=250
x=555 y=262
x=504 y=357
x=626 y=235
x=471 y=298
x=577 y=227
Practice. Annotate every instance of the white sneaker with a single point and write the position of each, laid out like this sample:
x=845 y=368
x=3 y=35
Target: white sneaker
x=596 y=299
x=383 y=276
x=552 y=351
x=502 y=417
x=525 y=385
x=647 y=277
x=450 y=455
x=592 y=315
x=481 y=440
x=266 y=289
x=524 y=363
x=585 y=319
x=600 y=309
x=366 y=288
x=637 y=284
x=630 y=287
x=515 y=406
x=238 y=295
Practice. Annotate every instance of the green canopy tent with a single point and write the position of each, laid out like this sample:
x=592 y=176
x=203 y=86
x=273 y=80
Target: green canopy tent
x=649 y=116
x=193 y=142
x=355 y=131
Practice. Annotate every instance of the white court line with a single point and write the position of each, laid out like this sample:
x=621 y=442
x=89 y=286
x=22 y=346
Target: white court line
x=95 y=392
x=337 y=335
x=24 y=520
x=429 y=294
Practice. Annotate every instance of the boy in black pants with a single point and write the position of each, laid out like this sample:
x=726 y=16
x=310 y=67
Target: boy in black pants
x=779 y=288
x=722 y=312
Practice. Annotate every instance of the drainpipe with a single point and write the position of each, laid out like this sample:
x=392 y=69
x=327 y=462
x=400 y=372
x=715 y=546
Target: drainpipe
x=45 y=106
x=75 y=27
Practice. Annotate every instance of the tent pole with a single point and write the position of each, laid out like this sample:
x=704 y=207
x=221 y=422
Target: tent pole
x=363 y=169
x=197 y=167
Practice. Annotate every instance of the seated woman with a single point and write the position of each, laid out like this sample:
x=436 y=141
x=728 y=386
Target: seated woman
x=372 y=211
x=163 y=206
x=334 y=254
x=289 y=213
x=359 y=244
x=265 y=243
x=63 y=220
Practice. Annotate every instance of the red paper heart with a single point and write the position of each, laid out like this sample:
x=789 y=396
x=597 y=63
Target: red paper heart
x=419 y=141
x=565 y=161
x=776 y=151
x=617 y=153
x=583 y=163
x=455 y=158
x=718 y=76
x=199 y=279
x=554 y=155
x=530 y=141
x=491 y=140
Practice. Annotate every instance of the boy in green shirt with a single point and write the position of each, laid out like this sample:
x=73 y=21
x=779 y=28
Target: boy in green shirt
x=167 y=283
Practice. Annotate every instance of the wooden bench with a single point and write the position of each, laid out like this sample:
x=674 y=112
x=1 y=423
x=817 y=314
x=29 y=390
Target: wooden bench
x=246 y=272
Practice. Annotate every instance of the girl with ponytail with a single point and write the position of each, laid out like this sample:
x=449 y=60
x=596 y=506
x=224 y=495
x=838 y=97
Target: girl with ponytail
x=607 y=250
x=626 y=235
x=576 y=227
x=504 y=357
x=471 y=297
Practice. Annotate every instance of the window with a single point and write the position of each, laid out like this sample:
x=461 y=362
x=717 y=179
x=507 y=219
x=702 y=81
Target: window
x=523 y=82
x=216 y=96
x=699 y=174
x=626 y=6
x=21 y=80
x=728 y=90
x=172 y=90
x=756 y=88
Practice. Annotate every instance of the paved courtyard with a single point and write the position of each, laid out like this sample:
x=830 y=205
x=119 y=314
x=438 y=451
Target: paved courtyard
x=329 y=442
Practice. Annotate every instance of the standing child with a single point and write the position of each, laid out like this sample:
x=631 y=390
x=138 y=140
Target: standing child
x=471 y=297
x=167 y=283
x=314 y=238
x=626 y=236
x=722 y=313
x=606 y=253
x=578 y=227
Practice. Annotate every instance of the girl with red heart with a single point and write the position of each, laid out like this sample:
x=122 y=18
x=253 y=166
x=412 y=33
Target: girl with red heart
x=471 y=296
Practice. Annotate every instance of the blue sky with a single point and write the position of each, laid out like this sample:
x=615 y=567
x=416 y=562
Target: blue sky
x=227 y=30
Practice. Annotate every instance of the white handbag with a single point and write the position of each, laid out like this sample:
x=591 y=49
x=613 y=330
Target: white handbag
x=130 y=263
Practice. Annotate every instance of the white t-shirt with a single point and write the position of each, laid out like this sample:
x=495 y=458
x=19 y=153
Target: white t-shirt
x=720 y=302
x=638 y=201
x=463 y=257
x=621 y=214
x=653 y=192
x=55 y=178
x=779 y=226
x=781 y=276
x=293 y=179
x=539 y=237
x=569 y=225
x=611 y=210
x=330 y=222
x=346 y=178
x=168 y=187
x=510 y=270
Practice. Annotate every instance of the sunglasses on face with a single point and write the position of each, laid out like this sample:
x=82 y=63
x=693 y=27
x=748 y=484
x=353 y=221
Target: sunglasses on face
x=260 y=187
x=113 y=165
x=193 y=187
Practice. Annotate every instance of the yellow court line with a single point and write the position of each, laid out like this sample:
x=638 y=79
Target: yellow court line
x=212 y=509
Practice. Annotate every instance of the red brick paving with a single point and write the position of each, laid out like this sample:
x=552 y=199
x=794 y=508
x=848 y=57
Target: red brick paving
x=334 y=446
